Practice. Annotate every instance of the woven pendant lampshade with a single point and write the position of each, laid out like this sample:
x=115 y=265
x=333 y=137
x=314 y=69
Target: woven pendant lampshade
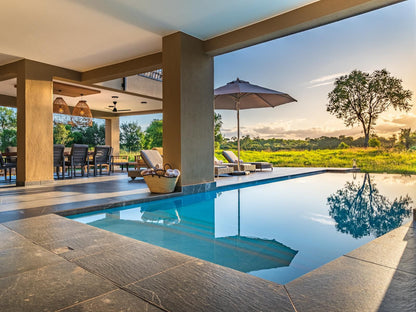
x=60 y=107
x=81 y=115
x=61 y=112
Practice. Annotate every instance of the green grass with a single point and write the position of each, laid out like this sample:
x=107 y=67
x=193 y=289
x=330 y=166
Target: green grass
x=129 y=154
x=368 y=160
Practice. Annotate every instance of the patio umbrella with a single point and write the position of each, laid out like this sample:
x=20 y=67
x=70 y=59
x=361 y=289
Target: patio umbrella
x=239 y=94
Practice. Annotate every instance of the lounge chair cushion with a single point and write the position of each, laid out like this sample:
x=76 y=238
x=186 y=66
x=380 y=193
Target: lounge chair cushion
x=230 y=156
x=152 y=158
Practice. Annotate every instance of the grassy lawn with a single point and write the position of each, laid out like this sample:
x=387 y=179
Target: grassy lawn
x=368 y=160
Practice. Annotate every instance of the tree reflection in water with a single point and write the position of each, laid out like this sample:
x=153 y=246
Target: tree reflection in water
x=360 y=210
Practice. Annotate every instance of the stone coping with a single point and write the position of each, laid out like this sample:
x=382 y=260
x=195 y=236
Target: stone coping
x=53 y=263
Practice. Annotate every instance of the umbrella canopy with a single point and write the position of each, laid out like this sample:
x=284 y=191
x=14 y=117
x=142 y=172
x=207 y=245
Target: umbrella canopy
x=240 y=94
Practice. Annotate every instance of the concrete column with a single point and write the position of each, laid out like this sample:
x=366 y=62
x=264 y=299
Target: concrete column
x=112 y=134
x=188 y=111
x=34 y=124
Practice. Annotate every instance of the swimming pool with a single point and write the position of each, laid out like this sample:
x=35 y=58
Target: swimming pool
x=277 y=231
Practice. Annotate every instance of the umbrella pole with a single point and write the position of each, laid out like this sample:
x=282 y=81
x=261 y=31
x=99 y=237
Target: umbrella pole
x=238 y=212
x=238 y=134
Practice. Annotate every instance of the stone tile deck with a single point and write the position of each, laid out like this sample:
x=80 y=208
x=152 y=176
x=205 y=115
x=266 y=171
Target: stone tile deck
x=50 y=263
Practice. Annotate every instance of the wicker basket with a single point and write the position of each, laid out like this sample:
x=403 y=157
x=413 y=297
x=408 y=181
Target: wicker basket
x=160 y=184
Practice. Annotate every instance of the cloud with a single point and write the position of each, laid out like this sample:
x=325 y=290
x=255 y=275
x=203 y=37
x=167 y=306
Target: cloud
x=328 y=77
x=388 y=125
x=321 y=84
x=325 y=80
x=323 y=219
x=314 y=132
x=406 y=120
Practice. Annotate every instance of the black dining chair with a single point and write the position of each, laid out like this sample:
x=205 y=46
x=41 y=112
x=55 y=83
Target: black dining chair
x=78 y=158
x=11 y=159
x=59 y=159
x=102 y=156
x=5 y=166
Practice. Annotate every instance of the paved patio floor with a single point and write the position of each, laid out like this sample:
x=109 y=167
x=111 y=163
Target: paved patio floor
x=50 y=263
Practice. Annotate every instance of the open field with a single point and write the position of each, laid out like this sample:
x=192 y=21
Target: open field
x=368 y=160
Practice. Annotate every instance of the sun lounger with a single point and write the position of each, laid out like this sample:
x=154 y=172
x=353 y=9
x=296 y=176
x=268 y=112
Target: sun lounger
x=222 y=169
x=232 y=159
x=152 y=158
x=234 y=166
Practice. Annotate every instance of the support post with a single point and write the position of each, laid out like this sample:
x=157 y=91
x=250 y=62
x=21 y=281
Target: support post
x=112 y=134
x=34 y=124
x=188 y=111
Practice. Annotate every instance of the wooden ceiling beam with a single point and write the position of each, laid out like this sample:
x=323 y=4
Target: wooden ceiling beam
x=307 y=17
x=71 y=90
x=148 y=112
x=9 y=71
x=8 y=101
x=124 y=69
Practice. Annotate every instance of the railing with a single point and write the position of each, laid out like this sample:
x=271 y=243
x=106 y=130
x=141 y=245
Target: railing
x=155 y=75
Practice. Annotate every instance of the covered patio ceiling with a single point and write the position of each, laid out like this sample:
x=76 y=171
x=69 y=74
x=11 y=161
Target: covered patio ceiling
x=84 y=35
x=102 y=40
x=99 y=99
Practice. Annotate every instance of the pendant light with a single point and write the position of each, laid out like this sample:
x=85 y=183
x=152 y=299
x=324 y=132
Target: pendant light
x=81 y=115
x=61 y=111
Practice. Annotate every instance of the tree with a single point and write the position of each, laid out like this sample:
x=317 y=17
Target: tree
x=94 y=135
x=217 y=128
x=154 y=134
x=8 y=126
x=360 y=210
x=359 y=98
x=8 y=138
x=8 y=119
x=132 y=137
x=61 y=134
x=407 y=138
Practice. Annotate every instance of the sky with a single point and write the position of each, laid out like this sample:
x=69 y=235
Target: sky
x=305 y=66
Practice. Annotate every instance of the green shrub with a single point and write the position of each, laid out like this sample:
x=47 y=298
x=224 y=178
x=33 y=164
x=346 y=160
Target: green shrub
x=343 y=145
x=374 y=142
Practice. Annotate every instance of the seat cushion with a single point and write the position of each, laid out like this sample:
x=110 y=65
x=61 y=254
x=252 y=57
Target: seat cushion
x=152 y=158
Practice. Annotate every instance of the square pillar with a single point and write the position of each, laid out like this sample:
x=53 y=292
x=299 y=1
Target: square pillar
x=112 y=134
x=34 y=124
x=188 y=111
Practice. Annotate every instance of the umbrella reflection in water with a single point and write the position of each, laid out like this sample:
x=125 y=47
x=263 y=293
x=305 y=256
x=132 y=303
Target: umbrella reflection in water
x=188 y=226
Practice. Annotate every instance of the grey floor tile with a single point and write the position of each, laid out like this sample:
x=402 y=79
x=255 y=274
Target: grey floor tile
x=26 y=257
x=86 y=243
x=50 y=288
x=117 y=300
x=395 y=250
x=347 y=284
x=46 y=228
x=10 y=239
x=130 y=263
x=204 y=286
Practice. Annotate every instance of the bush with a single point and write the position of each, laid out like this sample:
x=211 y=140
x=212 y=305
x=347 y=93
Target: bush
x=343 y=145
x=374 y=142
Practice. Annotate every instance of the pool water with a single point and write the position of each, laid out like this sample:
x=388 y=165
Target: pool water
x=277 y=231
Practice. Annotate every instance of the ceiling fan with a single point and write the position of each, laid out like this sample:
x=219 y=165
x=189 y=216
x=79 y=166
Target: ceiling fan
x=113 y=107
